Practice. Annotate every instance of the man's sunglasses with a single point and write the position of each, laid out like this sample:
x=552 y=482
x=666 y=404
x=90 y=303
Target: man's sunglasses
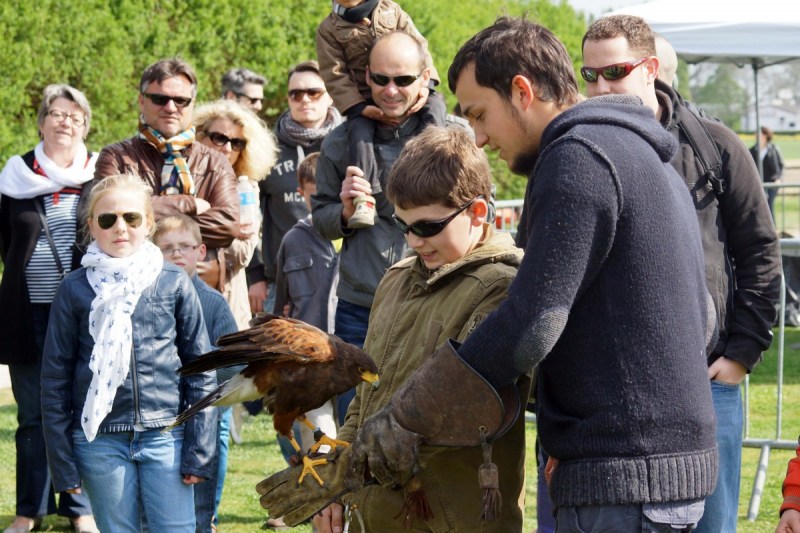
x=400 y=81
x=219 y=139
x=614 y=72
x=107 y=220
x=313 y=93
x=163 y=99
x=429 y=228
x=253 y=101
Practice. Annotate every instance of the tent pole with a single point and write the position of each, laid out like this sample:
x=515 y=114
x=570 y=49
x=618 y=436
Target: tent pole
x=759 y=162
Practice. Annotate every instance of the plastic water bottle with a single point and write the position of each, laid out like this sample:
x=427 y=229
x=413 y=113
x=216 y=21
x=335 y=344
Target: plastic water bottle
x=248 y=204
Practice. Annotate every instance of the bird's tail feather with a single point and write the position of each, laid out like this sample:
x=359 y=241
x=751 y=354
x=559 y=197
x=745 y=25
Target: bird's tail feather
x=235 y=390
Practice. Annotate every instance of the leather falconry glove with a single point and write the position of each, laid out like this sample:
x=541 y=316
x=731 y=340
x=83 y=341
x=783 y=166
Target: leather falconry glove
x=443 y=403
x=282 y=496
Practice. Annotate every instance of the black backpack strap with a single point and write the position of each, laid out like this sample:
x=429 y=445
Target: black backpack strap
x=704 y=147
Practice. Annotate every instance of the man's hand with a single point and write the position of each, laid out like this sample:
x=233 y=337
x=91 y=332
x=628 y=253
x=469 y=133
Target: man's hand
x=386 y=450
x=354 y=185
x=727 y=371
x=257 y=293
x=189 y=479
x=422 y=99
x=201 y=205
x=330 y=519
x=790 y=522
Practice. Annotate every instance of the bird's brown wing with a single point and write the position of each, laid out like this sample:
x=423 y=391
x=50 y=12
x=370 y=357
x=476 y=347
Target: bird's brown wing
x=276 y=339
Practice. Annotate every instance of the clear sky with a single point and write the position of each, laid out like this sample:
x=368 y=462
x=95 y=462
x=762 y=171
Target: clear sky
x=596 y=7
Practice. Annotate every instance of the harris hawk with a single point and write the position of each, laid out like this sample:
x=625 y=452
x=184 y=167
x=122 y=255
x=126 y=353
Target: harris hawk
x=293 y=365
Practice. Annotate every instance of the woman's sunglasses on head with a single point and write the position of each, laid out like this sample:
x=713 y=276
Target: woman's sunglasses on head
x=107 y=220
x=614 y=72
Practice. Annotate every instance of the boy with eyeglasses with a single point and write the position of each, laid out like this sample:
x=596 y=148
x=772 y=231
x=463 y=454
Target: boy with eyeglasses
x=460 y=271
x=344 y=40
x=178 y=238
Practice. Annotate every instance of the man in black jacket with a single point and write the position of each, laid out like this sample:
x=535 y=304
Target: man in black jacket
x=300 y=131
x=740 y=245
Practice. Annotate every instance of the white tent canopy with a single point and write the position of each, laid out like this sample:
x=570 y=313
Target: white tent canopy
x=763 y=33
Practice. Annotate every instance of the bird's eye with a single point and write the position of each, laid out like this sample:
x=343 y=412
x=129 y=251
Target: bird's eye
x=361 y=370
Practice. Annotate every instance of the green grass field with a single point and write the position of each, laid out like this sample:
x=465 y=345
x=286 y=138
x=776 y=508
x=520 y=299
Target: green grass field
x=259 y=456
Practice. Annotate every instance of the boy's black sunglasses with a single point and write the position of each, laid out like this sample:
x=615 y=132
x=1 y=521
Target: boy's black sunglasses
x=429 y=228
x=400 y=81
x=107 y=220
x=163 y=99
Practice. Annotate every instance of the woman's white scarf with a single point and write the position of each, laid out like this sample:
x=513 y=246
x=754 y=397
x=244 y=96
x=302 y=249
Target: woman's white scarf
x=118 y=283
x=20 y=182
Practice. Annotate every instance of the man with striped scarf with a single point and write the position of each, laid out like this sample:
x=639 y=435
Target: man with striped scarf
x=186 y=177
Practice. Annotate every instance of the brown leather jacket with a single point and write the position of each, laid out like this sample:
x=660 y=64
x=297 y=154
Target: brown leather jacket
x=214 y=182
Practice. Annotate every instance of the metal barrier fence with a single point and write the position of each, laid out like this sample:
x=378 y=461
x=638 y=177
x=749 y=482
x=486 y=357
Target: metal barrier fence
x=789 y=248
x=787 y=218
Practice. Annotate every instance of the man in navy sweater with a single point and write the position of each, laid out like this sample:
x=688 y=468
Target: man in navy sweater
x=610 y=304
x=610 y=301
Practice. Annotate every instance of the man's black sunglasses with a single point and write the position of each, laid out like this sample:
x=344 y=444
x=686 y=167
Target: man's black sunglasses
x=253 y=101
x=163 y=99
x=221 y=140
x=400 y=81
x=429 y=228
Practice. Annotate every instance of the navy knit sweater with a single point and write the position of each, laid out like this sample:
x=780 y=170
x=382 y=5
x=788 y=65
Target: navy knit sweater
x=610 y=302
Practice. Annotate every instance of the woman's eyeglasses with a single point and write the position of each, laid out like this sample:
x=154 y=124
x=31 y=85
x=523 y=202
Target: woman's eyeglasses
x=221 y=140
x=107 y=220
x=314 y=94
x=78 y=119
x=614 y=72
x=163 y=99
x=400 y=81
x=182 y=248
x=429 y=228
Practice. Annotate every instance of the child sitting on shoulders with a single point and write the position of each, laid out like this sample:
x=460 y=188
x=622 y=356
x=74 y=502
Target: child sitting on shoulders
x=344 y=41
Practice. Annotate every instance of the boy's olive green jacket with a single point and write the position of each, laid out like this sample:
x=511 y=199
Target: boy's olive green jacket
x=415 y=312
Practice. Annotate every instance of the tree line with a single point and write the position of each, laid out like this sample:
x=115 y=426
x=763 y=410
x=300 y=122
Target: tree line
x=102 y=46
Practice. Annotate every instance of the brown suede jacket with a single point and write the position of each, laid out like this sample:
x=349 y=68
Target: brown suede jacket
x=214 y=182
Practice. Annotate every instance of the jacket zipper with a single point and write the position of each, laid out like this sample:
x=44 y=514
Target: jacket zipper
x=135 y=385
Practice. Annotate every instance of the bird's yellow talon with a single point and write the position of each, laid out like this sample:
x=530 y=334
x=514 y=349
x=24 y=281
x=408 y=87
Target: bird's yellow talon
x=308 y=468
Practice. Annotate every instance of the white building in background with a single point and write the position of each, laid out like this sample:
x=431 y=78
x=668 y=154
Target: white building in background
x=775 y=117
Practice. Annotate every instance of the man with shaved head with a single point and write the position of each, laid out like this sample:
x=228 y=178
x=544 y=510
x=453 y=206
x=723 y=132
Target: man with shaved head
x=395 y=59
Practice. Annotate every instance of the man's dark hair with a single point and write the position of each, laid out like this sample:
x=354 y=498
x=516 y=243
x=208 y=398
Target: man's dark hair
x=235 y=79
x=514 y=46
x=305 y=66
x=165 y=69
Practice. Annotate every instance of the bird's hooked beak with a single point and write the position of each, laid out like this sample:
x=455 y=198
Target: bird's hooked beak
x=371 y=377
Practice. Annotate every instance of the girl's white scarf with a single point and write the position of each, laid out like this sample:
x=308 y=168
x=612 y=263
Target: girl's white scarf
x=118 y=283
x=20 y=182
